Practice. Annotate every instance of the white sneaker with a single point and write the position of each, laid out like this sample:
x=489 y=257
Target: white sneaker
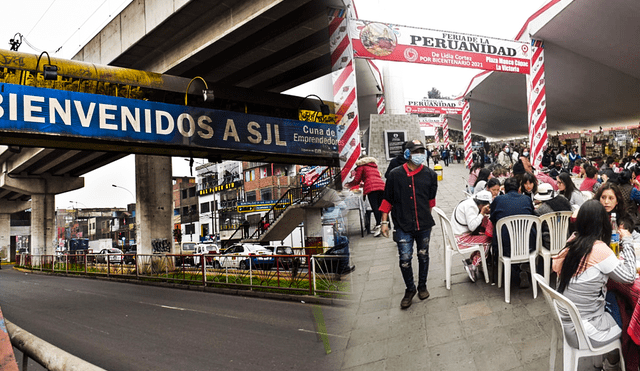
x=377 y=231
x=471 y=270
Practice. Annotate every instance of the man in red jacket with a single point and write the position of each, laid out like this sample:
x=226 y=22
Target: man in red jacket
x=410 y=191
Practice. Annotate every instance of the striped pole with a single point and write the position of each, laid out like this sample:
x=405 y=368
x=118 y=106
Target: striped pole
x=436 y=130
x=343 y=76
x=537 y=106
x=445 y=132
x=380 y=104
x=466 y=130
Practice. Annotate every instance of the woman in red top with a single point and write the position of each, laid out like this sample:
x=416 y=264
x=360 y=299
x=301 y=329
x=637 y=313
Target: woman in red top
x=590 y=179
x=367 y=172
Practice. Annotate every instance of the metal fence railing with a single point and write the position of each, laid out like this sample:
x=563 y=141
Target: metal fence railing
x=318 y=275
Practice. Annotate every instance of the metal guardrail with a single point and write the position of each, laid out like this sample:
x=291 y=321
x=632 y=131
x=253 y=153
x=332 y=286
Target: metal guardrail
x=318 y=275
x=48 y=356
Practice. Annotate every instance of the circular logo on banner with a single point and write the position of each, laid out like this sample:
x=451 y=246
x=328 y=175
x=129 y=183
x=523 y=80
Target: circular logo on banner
x=378 y=39
x=525 y=49
x=410 y=54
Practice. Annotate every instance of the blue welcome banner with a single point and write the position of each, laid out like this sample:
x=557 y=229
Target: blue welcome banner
x=30 y=110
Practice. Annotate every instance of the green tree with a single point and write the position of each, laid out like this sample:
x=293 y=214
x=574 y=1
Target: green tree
x=434 y=93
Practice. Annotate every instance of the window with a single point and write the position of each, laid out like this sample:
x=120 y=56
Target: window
x=205 y=230
x=176 y=212
x=193 y=209
x=250 y=196
x=265 y=194
x=189 y=228
x=185 y=211
x=192 y=192
x=204 y=207
x=249 y=175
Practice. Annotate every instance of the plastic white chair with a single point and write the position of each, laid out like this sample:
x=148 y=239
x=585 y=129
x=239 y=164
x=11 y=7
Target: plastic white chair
x=558 y=223
x=585 y=348
x=519 y=229
x=451 y=247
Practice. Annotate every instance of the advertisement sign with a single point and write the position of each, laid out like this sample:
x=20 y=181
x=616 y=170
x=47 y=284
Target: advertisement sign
x=315 y=116
x=441 y=106
x=375 y=40
x=429 y=122
x=393 y=141
x=71 y=116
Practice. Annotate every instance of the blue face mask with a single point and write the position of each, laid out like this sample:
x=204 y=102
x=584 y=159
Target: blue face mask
x=418 y=158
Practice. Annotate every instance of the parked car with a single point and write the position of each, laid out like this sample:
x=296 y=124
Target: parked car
x=288 y=262
x=205 y=248
x=243 y=255
x=186 y=251
x=114 y=255
x=130 y=254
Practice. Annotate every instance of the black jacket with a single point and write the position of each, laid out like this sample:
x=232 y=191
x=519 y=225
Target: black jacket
x=399 y=160
x=410 y=194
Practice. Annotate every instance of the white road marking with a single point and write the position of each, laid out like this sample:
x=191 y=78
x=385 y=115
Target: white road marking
x=189 y=310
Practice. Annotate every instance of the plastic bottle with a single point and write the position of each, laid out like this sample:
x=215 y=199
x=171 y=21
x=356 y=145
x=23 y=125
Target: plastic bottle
x=615 y=235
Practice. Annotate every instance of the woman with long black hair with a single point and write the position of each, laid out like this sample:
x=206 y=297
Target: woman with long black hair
x=568 y=189
x=481 y=181
x=584 y=267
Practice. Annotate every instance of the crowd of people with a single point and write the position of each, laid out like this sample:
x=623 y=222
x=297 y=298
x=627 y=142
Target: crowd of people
x=594 y=190
x=503 y=184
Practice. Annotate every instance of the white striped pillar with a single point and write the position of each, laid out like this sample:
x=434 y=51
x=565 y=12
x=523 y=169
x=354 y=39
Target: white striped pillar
x=537 y=104
x=445 y=132
x=436 y=138
x=466 y=130
x=345 y=95
x=380 y=104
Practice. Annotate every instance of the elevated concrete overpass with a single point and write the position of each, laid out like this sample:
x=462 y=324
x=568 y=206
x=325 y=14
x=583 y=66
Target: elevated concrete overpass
x=592 y=57
x=248 y=51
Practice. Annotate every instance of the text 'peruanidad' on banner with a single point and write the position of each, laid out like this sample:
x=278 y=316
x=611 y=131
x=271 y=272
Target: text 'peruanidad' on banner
x=429 y=105
x=375 y=40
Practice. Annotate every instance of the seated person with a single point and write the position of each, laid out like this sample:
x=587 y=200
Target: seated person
x=528 y=185
x=511 y=203
x=548 y=202
x=481 y=181
x=590 y=179
x=468 y=222
x=568 y=189
x=584 y=266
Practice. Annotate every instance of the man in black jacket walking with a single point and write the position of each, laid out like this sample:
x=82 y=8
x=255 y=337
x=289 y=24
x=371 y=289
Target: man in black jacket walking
x=410 y=191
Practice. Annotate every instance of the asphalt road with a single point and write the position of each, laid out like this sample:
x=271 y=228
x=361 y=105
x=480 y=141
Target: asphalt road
x=121 y=326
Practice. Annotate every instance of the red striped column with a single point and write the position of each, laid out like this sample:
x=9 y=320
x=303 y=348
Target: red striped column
x=345 y=95
x=436 y=130
x=466 y=131
x=445 y=132
x=380 y=104
x=537 y=106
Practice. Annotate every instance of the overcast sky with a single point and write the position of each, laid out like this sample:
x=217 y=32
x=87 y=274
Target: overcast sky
x=62 y=27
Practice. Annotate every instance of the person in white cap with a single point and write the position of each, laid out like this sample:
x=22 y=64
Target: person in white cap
x=468 y=222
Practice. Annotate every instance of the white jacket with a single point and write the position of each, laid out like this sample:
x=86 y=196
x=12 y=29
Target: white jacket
x=466 y=217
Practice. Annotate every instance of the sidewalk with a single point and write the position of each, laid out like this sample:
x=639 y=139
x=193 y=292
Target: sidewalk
x=469 y=327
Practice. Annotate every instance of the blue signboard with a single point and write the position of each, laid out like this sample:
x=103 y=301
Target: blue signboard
x=25 y=109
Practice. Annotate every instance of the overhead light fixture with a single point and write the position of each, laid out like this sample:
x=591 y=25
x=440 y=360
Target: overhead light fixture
x=324 y=109
x=49 y=71
x=207 y=94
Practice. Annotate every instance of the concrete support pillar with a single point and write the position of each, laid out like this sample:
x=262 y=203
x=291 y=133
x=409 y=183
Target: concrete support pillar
x=43 y=208
x=5 y=233
x=154 y=210
x=393 y=88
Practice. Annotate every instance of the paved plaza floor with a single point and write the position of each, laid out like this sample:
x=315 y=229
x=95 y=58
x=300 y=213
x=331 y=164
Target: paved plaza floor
x=469 y=327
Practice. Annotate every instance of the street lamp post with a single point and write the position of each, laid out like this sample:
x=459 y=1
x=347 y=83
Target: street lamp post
x=117 y=186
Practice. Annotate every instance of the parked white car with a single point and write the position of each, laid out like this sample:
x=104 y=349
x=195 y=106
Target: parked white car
x=114 y=255
x=241 y=255
x=205 y=248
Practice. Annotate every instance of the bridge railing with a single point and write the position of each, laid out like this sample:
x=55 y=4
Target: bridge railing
x=48 y=356
x=301 y=274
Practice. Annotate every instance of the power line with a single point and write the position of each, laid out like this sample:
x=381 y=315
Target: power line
x=42 y=16
x=82 y=25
